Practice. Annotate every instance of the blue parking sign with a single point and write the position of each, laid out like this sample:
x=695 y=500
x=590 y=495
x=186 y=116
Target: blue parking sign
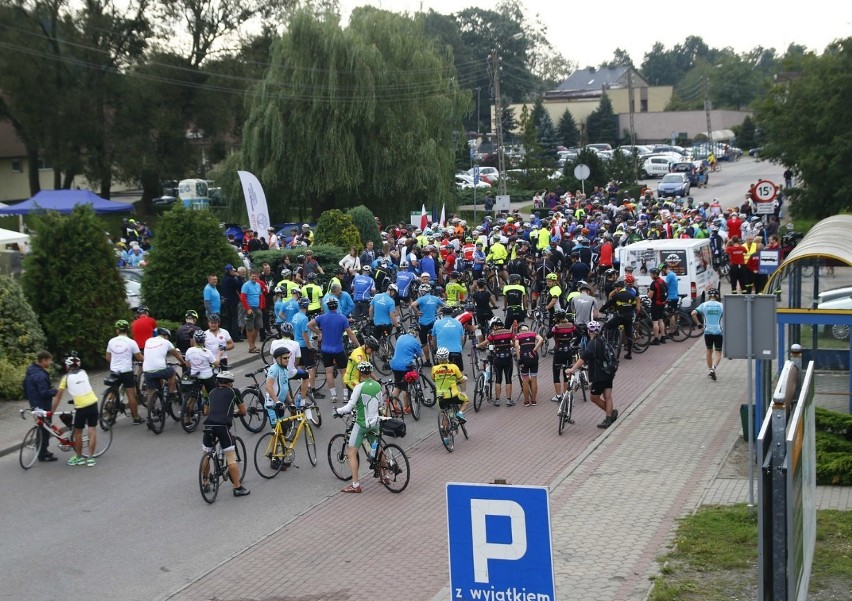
x=499 y=543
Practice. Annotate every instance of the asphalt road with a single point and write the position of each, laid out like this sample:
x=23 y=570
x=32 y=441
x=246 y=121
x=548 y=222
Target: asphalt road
x=135 y=527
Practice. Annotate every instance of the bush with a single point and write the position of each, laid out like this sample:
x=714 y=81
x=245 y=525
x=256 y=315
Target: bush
x=327 y=256
x=335 y=228
x=833 y=448
x=189 y=246
x=72 y=283
x=12 y=380
x=21 y=336
x=365 y=221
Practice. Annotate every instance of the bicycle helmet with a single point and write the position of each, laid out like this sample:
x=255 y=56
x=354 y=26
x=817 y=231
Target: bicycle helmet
x=442 y=354
x=200 y=336
x=280 y=352
x=494 y=321
x=141 y=309
x=554 y=239
x=393 y=288
x=515 y=278
x=654 y=270
x=164 y=332
x=304 y=303
x=286 y=273
x=286 y=329
x=332 y=304
x=414 y=331
x=447 y=310
x=619 y=284
x=300 y=259
x=312 y=277
x=365 y=367
x=560 y=315
x=213 y=317
x=629 y=279
x=713 y=292
x=225 y=376
x=191 y=314
x=403 y=265
x=280 y=290
x=610 y=272
x=552 y=276
x=72 y=361
x=366 y=269
x=594 y=327
x=424 y=289
x=584 y=286
x=370 y=341
x=122 y=324
x=481 y=283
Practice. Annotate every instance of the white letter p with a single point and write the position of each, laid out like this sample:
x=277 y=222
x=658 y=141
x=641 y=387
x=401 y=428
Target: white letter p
x=482 y=549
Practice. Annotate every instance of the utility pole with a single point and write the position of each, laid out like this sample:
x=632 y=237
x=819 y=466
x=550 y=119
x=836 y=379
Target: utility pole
x=707 y=108
x=634 y=156
x=501 y=158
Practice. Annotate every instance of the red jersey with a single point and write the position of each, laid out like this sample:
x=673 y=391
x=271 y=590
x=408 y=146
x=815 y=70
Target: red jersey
x=737 y=254
x=143 y=328
x=465 y=318
x=605 y=259
x=735 y=227
x=467 y=251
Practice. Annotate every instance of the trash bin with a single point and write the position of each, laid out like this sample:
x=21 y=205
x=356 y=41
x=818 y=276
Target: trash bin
x=744 y=420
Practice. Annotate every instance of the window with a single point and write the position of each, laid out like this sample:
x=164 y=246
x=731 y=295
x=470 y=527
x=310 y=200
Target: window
x=16 y=166
x=44 y=165
x=643 y=105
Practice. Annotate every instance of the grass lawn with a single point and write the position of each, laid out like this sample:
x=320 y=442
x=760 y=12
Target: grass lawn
x=715 y=557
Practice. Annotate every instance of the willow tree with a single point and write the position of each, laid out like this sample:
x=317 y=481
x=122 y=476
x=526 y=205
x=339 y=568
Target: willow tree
x=359 y=115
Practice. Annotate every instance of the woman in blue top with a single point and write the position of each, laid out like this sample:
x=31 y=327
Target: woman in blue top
x=712 y=312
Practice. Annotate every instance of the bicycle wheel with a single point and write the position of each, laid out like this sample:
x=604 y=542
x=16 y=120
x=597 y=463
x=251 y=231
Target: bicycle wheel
x=641 y=337
x=566 y=408
x=103 y=441
x=584 y=385
x=415 y=398
x=319 y=379
x=463 y=429
x=337 y=457
x=310 y=444
x=685 y=318
x=191 y=409
x=210 y=485
x=429 y=394
x=677 y=329
x=446 y=433
x=383 y=356
x=173 y=405
x=313 y=414
x=545 y=347
x=108 y=410
x=240 y=448
x=30 y=447
x=265 y=354
x=255 y=418
x=269 y=455
x=478 y=392
x=394 y=468
x=156 y=407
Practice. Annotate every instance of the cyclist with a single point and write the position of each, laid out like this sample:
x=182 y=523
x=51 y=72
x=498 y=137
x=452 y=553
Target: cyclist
x=626 y=307
x=515 y=301
x=485 y=304
x=201 y=363
x=527 y=344
x=554 y=296
x=383 y=312
x=289 y=307
x=313 y=292
x=363 y=286
x=498 y=254
x=447 y=377
x=503 y=341
x=407 y=350
x=121 y=351
x=601 y=382
x=456 y=291
x=479 y=259
x=403 y=280
x=658 y=293
x=564 y=333
x=287 y=282
x=329 y=329
x=426 y=306
x=278 y=382
x=584 y=305
x=356 y=357
x=344 y=301
x=218 y=339
x=449 y=335
x=302 y=335
x=155 y=367
x=76 y=382
x=184 y=334
x=286 y=341
x=712 y=311
x=144 y=326
x=365 y=400
x=219 y=409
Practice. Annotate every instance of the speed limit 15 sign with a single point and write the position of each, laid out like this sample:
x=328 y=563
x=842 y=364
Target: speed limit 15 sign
x=764 y=191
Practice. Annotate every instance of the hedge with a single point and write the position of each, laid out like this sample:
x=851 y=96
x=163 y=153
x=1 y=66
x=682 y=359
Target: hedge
x=327 y=256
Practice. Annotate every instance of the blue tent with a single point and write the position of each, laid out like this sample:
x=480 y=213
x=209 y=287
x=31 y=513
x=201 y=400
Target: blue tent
x=64 y=201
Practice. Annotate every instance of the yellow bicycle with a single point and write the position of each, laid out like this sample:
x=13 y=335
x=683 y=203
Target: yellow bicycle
x=276 y=450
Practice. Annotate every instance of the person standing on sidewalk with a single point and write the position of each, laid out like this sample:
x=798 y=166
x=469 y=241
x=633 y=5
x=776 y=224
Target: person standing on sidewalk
x=254 y=302
x=39 y=392
x=601 y=378
x=231 y=300
x=712 y=311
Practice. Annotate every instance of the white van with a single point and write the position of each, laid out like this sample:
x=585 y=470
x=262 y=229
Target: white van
x=694 y=268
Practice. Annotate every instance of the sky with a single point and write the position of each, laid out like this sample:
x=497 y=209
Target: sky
x=589 y=39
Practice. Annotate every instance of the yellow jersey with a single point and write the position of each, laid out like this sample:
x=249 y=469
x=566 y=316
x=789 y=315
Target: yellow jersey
x=351 y=377
x=78 y=386
x=446 y=377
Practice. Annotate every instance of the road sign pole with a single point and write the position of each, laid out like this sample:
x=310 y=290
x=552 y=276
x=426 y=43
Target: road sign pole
x=749 y=301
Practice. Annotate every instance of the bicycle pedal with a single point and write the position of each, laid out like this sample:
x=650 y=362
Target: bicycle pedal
x=570 y=421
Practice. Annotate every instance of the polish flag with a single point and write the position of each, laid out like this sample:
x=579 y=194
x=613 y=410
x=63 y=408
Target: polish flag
x=423 y=219
x=443 y=218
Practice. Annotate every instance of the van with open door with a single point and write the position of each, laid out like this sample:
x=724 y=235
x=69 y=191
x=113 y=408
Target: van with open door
x=691 y=260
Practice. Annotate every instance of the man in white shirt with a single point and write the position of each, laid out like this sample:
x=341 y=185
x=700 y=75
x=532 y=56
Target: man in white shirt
x=154 y=365
x=218 y=339
x=202 y=361
x=120 y=353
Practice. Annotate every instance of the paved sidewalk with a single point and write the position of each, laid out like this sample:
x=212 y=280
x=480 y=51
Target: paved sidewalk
x=13 y=428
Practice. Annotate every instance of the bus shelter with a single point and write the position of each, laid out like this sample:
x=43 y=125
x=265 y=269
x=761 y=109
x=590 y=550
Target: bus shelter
x=814 y=289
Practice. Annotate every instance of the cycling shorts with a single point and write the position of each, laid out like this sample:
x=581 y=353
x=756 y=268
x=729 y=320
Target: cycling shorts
x=87 y=416
x=153 y=377
x=126 y=379
x=338 y=360
x=222 y=434
x=356 y=437
x=597 y=388
x=308 y=359
x=713 y=341
x=399 y=379
x=425 y=331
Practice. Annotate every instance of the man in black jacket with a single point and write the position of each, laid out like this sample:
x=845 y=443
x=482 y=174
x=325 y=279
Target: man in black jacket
x=231 y=302
x=39 y=392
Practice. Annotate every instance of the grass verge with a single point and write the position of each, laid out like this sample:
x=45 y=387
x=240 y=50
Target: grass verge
x=715 y=557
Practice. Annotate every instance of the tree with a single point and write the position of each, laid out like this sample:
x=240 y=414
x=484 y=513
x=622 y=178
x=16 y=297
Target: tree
x=620 y=58
x=85 y=294
x=361 y=115
x=546 y=134
x=569 y=135
x=365 y=221
x=336 y=228
x=804 y=122
x=21 y=336
x=747 y=134
x=601 y=125
x=189 y=246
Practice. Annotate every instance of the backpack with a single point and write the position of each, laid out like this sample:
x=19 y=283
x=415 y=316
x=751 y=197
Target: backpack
x=609 y=363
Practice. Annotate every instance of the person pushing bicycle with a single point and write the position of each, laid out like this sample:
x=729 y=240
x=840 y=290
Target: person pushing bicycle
x=365 y=401
x=219 y=409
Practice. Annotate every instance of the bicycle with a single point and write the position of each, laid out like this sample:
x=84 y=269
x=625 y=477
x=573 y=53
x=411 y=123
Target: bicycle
x=390 y=464
x=213 y=469
x=392 y=407
x=483 y=389
x=566 y=399
x=31 y=446
x=194 y=394
x=276 y=450
x=541 y=327
x=449 y=425
x=679 y=324
x=158 y=403
x=114 y=401
x=255 y=418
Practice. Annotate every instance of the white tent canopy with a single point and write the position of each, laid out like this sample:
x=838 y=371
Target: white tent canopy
x=11 y=236
x=721 y=134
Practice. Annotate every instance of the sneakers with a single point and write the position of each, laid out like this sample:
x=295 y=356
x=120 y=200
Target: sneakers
x=555 y=399
x=76 y=460
x=138 y=420
x=533 y=403
x=47 y=457
x=334 y=398
x=655 y=342
x=510 y=403
x=606 y=423
x=614 y=415
x=242 y=491
x=628 y=356
x=496 y=402
x=352 y=488
x=662 y=340
x=712 y=374
x=446 y=441
x=526 y=403
x=90 y=462
x=317 y=394
x=460 y=416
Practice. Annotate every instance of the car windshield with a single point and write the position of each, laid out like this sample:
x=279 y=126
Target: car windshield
x=672 y=178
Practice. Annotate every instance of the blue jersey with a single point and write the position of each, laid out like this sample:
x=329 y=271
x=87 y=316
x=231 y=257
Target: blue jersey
x=279 y=375
x=403 y=282
x=671 y=282
x=383 y=305
x=362 y=285
x=712 y=312
x=300 y=326
x=428 y=306
x=290 y=308
x=427 y=265
x=449 y=333
x=407 y=350
x=332 y=326
x=345 y=304
x=279 y=311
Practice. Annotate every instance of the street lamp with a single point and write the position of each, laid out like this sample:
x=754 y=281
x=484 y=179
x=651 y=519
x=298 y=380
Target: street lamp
x=501 y=153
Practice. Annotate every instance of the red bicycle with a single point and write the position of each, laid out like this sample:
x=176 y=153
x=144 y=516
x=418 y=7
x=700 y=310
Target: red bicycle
x=65 y=435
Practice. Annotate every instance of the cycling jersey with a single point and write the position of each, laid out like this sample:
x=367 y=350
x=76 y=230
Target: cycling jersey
x=200 y=362
x=555 y=292
x=122 y=350
x=527 y=341
x=456 y=293
x=497 y=253
x=352 y=375
x=313 y=293
x=300 y=326
x=362 y=285
x=446 y=377
x=563 y=335
x=403 y=282
x=407 y=349
x=221 y=404
x=383 y=306
x=281 y=377
x=332 y=325
x=449 y=333
x=365 y=399
x=78 y=386
x=514 y=294
x=428 y=306
x=712 y=312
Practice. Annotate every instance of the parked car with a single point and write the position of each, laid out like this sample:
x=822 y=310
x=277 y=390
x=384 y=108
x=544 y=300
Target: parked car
x=657 y=165
x=690 y=169
x=599 y=146
x=755 y=152
x=132 y=277
x=673 y=184
x=464 y=181
x=487 y=174
x=838 y=298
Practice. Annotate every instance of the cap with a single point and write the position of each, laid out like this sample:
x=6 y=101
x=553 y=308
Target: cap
x=229 y=267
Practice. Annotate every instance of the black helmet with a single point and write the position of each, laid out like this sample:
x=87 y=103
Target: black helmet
x=371 y=342
x=515 y=278
x=164 y=332
x=312 y=277
x=304 y=303
x=200 y=336
x=280 y=352
x=213 y=317
x=141 y=309
x=446 y=310
x=332 y=304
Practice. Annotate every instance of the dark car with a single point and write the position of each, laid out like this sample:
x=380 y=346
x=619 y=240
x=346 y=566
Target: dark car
x=689 y=169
